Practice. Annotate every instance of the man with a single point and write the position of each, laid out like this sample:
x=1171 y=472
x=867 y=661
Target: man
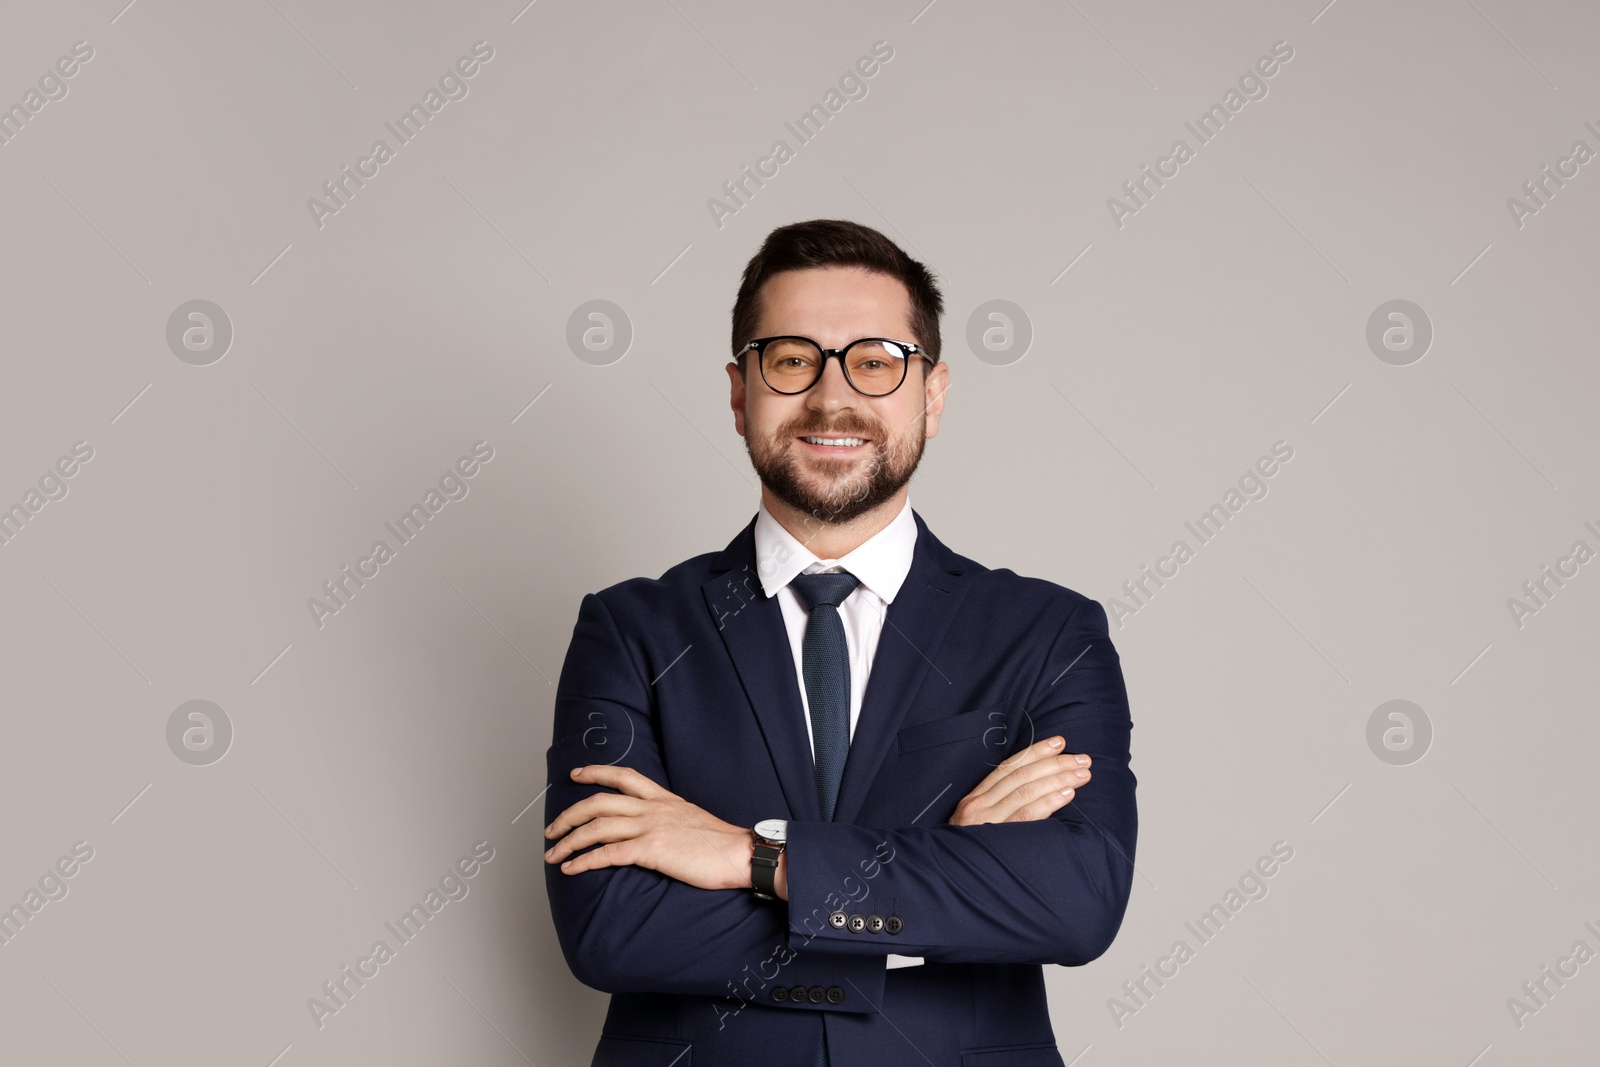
x=814 y=798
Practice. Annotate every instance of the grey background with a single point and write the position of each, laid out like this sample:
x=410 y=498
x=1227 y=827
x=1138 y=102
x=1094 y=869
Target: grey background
x=368 y=354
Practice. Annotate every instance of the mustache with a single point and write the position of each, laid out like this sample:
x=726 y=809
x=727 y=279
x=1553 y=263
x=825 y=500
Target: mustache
x=845 y=430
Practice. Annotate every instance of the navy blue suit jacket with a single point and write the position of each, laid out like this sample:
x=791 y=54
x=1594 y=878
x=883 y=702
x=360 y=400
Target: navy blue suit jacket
x=690 y=680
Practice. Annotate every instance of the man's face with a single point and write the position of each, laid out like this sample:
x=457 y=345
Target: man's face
x=834 y=484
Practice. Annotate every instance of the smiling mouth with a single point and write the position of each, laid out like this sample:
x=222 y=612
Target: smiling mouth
x=834 y=442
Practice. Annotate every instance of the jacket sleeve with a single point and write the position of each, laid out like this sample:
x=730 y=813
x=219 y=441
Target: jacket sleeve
x=630 y=929
x=1048 y=891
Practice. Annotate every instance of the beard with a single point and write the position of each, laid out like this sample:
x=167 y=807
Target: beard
x=836 y=491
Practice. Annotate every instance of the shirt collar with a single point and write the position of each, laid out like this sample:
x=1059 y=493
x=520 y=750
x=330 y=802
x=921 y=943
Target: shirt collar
x=881 y=562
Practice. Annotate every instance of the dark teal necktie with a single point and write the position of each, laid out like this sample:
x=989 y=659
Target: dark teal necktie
x=825 y=665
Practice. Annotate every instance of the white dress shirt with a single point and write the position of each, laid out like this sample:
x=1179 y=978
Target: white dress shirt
x=881 y=563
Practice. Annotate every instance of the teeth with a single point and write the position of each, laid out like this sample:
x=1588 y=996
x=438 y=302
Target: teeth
x=842 y=442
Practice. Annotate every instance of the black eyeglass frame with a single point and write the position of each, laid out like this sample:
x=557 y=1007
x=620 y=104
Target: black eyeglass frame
x=759 y=347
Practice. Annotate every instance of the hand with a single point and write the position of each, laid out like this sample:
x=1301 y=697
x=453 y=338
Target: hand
x=645 y=825
x=1033 y=784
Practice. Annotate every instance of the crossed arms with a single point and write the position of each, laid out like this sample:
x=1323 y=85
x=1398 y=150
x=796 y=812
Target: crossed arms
x=660 y=901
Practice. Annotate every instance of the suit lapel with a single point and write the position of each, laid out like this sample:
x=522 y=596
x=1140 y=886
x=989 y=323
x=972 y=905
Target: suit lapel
x=751 y=625
x=913 y=630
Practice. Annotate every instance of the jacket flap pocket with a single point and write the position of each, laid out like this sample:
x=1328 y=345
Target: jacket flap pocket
x=1042 y=1054
x=619 y=1050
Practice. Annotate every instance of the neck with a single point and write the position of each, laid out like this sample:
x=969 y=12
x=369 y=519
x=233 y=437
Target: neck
x=828 y=540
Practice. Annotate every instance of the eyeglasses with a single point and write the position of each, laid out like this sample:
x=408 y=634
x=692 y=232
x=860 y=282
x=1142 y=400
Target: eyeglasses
x=874 y=366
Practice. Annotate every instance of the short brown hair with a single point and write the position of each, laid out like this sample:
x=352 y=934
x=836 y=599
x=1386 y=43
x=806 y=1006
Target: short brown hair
x=836 y=243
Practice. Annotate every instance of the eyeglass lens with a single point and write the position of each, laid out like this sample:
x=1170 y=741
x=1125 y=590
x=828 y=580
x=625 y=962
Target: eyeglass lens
x=791 y=365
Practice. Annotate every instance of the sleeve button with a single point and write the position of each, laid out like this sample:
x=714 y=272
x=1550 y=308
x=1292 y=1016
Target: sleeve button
x=857 y=924
x=894 y=924
x=835 y=994
x=874 y=924
x=780 y=993
x=817 y=993
x=837 y=920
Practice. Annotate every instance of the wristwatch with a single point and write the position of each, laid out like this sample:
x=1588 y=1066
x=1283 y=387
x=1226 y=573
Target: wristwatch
x=771 y=835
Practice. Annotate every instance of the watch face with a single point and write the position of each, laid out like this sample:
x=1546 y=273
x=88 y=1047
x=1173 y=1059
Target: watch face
x=773 y=830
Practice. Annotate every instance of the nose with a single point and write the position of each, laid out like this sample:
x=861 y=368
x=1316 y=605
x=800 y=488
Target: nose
x=833 y=390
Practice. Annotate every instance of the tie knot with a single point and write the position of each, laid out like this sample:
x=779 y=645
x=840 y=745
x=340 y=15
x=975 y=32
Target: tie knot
x=829 y=588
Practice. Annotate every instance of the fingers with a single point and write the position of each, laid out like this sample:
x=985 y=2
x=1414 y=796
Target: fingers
x=1039 y=750
x=607 y=855
x=626 y=779
x=608 y=829
x=1074 y=766
x=1015 y=771
x=591 y=808
x=1039 y=797
x=1027 y=791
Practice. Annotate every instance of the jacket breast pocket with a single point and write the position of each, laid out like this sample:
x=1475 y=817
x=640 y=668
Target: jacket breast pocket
x=620 y=1050
x=981 y=732
x=946 y=759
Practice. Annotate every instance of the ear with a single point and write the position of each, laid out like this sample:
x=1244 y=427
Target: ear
x=935 y=383
x=736 y=397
